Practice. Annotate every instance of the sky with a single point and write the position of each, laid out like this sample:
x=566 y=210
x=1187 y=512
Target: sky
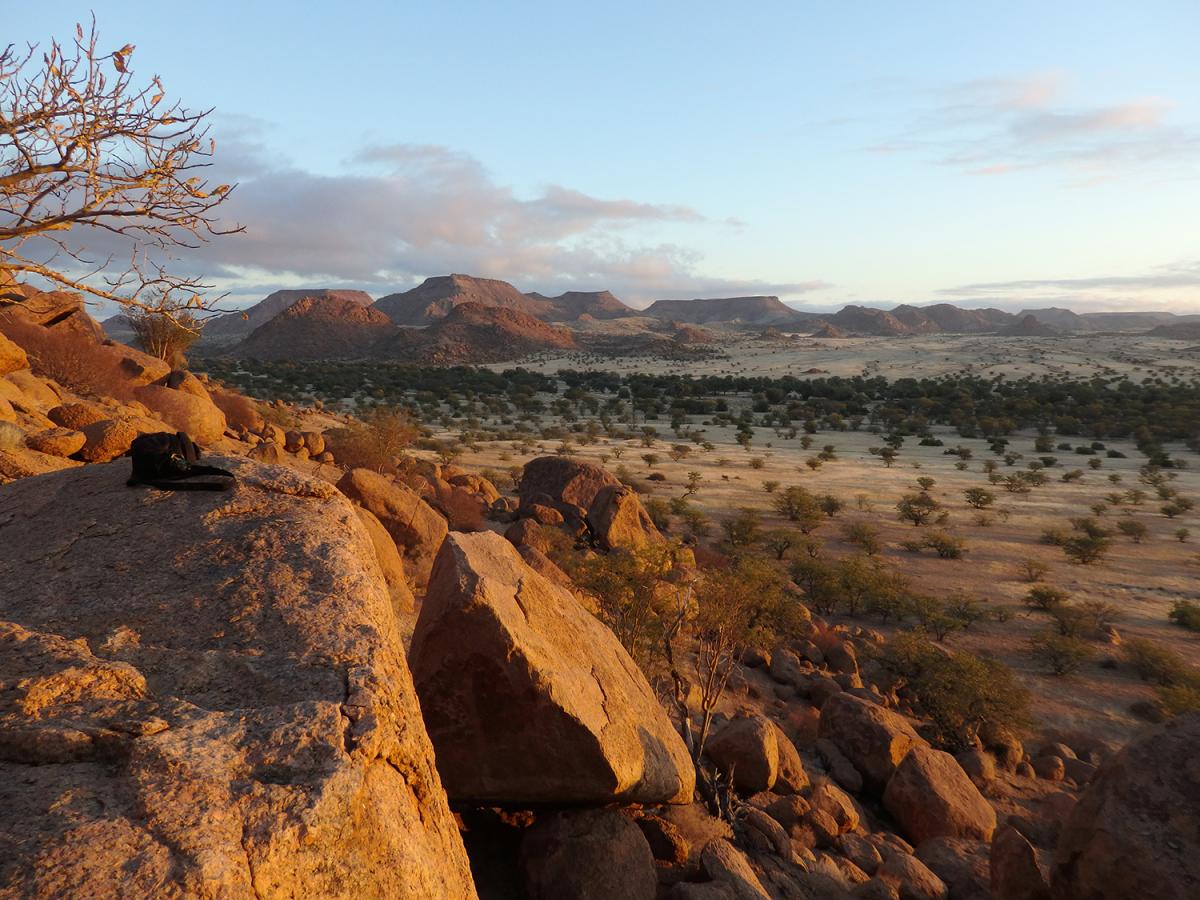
x=1015 y=154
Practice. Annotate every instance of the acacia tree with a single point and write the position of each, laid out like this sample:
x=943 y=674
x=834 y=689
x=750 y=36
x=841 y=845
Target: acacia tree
x=86 y=151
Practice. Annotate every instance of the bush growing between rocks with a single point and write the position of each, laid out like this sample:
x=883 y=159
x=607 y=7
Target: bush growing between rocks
x=960 y=693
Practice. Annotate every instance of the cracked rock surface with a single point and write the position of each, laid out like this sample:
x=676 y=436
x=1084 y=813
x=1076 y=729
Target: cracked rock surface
x=528 y=698
x=205 y=695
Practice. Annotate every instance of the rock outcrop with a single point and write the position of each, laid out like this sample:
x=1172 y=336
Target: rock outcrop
x=1135 y=831
x=569 y=485
x=207 y=696
x=930 y=796
x=872 y=738
x=588 y=854
x=415 y=527
x=529 y=699
x=618 y=519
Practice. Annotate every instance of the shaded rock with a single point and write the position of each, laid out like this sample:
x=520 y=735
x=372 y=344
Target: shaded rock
x=962 y=864
x=748 y=746
x=544 y=515
x=590 y=854
x=912 y=878
x=833 y=800
x=788 y=811
x=268 y=452
x=667 y=843
x=618 y=519
x=876 y=889
x=722 y=862
x=546 y=567
x=841 y=657
x=235 y=719
x=840 y=769
x=874 y=739
x=106 y=440
x=859 y=851
x=1049 y=767
x=1135 y=831
x=415 y=527
x=930 y=796
x=239 y=411
x=563 y=480
x=1078 y=770
x=786 y=668
x=529 y=699
x=1015 y=871
x=528 y=533
x=477 y=485
x=22 y=462
x=56 y=441
x=77 y=416
x=388 y=557
x=12 y=357
x=197 y=416
x=979 y=766
x=39 y=393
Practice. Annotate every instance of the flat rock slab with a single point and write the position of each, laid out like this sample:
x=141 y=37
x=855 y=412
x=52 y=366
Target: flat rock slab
x=205 y=694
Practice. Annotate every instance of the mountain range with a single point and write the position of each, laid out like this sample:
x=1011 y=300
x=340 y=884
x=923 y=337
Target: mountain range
x=458 y=318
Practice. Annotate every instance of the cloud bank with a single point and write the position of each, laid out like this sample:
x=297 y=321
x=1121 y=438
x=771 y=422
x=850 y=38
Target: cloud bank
x=401 y=212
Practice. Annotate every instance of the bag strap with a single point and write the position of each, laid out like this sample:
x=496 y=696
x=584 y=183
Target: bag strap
x=184 y=485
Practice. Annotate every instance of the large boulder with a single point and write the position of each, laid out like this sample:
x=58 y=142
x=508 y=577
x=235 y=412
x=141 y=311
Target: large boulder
x=618 y=519
x=528 y=698
x=759 y=754
x=413 y=524
x=12 y=357
x=106 y=440
x=207 y=696
x=390 y=563
x=56 y=441
x=565 y=482
x=872 y=738
x=1136 y=829
x=588 y=854
x=184 y=411
x=929 y=796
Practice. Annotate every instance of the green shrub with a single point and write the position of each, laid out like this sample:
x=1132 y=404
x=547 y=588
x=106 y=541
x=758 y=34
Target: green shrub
x=1185 y=614
x=1061 y=654
x=959 y=693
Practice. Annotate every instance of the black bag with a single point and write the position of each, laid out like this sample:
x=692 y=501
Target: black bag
x=165 y=460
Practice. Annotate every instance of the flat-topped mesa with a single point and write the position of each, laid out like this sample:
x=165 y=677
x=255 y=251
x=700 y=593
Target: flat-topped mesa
x=755 y=310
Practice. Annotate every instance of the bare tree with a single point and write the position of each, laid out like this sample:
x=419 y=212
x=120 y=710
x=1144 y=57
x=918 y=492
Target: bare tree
x=84 y=150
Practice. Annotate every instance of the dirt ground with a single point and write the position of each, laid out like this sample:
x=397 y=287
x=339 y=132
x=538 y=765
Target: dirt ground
x=1142 y=580
x=1074 y=355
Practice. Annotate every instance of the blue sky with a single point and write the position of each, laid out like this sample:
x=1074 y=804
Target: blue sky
x=1011 y=154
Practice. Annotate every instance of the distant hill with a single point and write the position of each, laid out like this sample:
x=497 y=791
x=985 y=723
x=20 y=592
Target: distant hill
x=574 y=305
x=758 y=310
x=325 y=327
x=472 y=332
x=828 y=330
x=866 y=320
x=946 y=317
x=235 y=326
x=1029 y=326
x=435 y=297
x=1183 y=331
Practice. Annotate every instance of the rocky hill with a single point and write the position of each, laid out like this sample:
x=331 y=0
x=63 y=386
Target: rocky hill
x=826 y=329
x=473 y=332
x=434 y=298
x=867 y=320
x=757 y=310
x=326 y=327
x=235 y=326
x=1029 y=326
x=574 y=305
x=1183 y=331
